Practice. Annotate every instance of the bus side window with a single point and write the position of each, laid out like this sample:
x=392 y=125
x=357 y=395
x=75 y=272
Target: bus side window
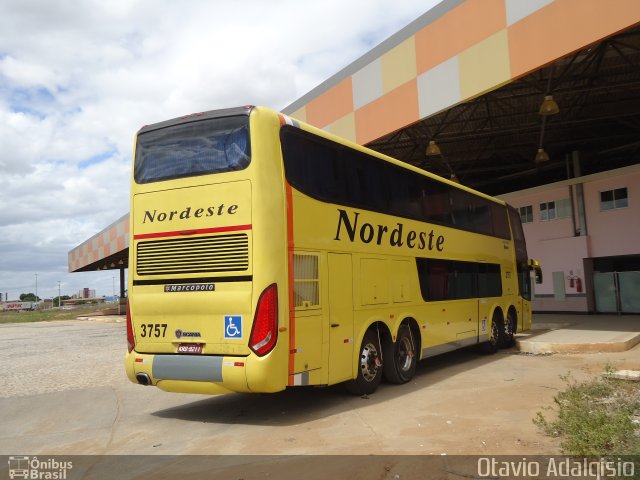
x=434 y=279
x=500 y=222
x=438 y=208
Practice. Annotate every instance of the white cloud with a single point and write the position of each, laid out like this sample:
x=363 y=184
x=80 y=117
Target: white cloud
x=78 y=79
x=27 y=75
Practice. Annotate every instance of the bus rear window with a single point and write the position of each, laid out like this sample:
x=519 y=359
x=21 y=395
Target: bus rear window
x=196 y=148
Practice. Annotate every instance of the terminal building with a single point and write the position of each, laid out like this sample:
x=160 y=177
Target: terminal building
x=535 y=102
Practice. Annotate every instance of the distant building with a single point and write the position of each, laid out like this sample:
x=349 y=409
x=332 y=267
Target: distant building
x=86 y=293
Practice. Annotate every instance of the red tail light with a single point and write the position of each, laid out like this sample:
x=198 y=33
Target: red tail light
x=264 y=333
x=131 y=340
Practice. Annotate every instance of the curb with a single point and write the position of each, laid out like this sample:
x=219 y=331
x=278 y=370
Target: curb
x=540 y=347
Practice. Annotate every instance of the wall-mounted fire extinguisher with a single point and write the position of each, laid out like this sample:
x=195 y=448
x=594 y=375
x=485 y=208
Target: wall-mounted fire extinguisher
x=575 y=281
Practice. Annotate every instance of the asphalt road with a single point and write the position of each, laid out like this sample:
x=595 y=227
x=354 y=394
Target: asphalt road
x=63 y=391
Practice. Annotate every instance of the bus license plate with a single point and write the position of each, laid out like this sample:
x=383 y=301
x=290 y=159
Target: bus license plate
x=190 y=348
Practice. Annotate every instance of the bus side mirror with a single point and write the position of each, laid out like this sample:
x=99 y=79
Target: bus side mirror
x=535 y=266
x=538 y=275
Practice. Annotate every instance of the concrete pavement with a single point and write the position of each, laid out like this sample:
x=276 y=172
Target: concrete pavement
x=557 y=333
x=65 y=392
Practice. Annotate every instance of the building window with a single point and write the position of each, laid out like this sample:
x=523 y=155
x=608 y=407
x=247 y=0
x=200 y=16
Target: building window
x=556 y=209
x=547 y=211
x=563 y=208
x=526 y=214
x=611 y=199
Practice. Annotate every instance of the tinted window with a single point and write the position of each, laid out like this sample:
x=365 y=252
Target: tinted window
x=518 y=235
x=334 y=173
x=195 y=148
x=489 y=280
x=500 y=221
x=434 y=279
x=454 y=280
x=524 y=281
x=437 y=203
x=462 y=280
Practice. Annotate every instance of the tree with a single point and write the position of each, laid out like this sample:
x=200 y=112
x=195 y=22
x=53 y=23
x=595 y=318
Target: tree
x=28 y=297
x=56 y=301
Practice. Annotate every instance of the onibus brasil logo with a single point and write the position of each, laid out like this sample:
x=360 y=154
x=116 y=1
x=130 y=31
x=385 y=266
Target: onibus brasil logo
x=33 y=468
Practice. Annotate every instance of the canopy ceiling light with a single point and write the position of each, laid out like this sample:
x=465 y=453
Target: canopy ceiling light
x=542 y=156
x=433 y=149
x=549 y=106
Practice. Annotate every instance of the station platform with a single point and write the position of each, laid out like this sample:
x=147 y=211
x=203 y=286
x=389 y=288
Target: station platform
x=566 y=333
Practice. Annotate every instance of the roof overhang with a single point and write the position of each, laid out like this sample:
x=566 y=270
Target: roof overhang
x=106 y=250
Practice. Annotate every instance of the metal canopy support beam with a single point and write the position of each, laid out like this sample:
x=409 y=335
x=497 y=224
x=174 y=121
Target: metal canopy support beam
x=582 y=218
x=121 y=291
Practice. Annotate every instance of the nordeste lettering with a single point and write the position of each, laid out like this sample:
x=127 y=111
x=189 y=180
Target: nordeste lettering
x=396 y=236
x=188 y=212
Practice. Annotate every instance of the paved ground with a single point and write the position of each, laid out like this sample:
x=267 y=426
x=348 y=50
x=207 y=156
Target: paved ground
x=64 y=391
x=553 y=333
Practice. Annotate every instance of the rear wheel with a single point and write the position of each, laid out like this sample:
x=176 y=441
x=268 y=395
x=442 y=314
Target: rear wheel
x=369 y=366
x=508 y=334
x=400 y=358
x=495 y=338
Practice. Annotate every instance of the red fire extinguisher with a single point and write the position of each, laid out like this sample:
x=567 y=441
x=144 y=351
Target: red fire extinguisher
x=571 y=282
x=579 y=285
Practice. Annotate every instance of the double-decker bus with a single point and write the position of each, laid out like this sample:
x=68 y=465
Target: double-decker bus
x=266 y=253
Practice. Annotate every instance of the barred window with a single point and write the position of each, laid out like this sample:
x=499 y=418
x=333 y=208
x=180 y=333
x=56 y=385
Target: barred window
x=306 y=281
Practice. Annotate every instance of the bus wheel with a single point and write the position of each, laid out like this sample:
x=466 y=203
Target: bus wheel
x=400 y=359
x=508 y=335
x=495 y=340
x=369 y=366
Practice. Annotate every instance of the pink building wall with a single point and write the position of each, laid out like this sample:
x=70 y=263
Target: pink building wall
x=613 y=232
x=560 y=248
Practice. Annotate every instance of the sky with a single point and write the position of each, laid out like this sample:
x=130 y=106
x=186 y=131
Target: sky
x=78 y=78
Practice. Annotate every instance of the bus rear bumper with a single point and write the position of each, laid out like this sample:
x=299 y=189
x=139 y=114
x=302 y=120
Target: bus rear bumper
x=205 y=374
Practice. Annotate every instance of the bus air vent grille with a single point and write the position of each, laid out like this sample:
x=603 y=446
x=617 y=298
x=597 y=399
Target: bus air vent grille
x=220 y=253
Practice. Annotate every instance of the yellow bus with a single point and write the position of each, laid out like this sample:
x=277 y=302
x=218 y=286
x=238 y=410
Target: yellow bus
x=266 y=253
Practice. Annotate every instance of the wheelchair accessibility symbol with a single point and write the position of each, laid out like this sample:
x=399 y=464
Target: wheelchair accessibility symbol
x=233 y=326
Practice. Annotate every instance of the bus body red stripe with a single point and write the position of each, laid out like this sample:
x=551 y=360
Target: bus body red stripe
x=292 y=312
x=199 y=231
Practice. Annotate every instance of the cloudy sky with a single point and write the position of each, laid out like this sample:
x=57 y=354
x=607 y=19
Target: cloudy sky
x=79 y=77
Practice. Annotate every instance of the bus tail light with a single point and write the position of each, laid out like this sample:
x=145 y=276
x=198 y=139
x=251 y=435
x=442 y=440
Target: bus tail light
x=264 y=332
x=131 y=340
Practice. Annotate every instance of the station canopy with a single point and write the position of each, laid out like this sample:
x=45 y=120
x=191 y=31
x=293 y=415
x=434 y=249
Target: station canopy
x=491 y=142
x=471 y=77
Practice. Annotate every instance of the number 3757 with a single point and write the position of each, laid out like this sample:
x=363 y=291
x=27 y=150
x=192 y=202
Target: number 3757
x=155 y=330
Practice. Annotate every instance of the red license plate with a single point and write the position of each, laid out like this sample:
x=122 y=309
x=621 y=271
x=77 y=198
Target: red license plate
x=190 y=348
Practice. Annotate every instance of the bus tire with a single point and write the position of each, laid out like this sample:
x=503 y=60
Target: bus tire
x=400 y=358
x=495 y=340
x=508 y=334
x=369 y=367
